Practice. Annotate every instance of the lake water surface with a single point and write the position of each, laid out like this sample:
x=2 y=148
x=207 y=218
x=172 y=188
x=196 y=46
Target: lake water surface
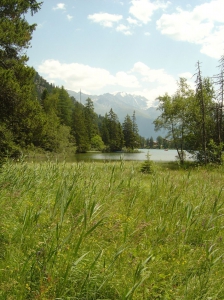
x=155 y=155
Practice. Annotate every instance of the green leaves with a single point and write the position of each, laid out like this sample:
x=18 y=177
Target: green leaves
x=19 y=111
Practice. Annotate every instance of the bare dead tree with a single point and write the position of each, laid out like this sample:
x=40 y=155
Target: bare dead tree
x=219 y=80
x=201 y=101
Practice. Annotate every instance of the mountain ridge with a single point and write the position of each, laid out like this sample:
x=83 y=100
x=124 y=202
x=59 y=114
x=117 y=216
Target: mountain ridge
x=122 y=104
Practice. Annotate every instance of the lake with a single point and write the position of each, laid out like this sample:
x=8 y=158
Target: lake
x=155 y=155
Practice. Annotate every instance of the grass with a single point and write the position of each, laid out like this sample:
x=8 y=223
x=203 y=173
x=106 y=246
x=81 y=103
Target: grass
x=108 y=231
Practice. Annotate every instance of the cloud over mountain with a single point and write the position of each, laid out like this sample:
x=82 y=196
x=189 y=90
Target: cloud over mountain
x=203 y=25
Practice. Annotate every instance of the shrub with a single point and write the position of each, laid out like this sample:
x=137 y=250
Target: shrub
x=147 y=165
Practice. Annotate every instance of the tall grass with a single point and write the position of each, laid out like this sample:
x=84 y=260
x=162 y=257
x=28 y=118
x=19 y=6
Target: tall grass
x=107 y=231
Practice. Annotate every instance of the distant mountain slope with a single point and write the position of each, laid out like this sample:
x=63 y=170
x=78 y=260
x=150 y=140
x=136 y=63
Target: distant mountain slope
x=123 y=104
x=41 y=84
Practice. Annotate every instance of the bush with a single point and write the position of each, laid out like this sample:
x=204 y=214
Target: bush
x=7 y=146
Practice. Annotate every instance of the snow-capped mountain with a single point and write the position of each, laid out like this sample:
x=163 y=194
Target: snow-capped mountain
x=123 y=104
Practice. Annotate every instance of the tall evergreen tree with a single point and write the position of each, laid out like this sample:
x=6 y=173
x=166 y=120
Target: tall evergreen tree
x=15 y=36
x=64 y=106
x=104 y=131
x=201 y=101
x=16 y=79
x=90 y=119
x=79 y=130
x=135 y=130
x=219 y=80
x=111 y=132
x=128 y=133
x=151 y=142
x=203 y=116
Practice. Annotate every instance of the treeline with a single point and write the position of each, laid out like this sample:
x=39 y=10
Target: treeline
x=35 y=114
x=48 y=118
x=82 y=127
x=193 y=118
x=158 y=143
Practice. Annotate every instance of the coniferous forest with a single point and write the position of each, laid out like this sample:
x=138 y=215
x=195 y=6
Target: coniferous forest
x=36 y=115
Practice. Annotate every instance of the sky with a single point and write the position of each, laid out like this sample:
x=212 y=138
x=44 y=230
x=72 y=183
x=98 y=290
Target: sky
x=139 y=47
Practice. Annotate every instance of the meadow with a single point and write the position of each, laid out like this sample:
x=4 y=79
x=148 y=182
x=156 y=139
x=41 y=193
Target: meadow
x=108 y=231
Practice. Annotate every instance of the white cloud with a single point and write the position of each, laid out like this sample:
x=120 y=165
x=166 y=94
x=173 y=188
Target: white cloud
x=105 y=19
x=76 y=75
x=150 y=75
x=213 y=45
x=147 y=33
x=153 y=93
x=183 y=26
x=124 y=29
x=186 y=75
x=132 y=21
x=140 y=80
x=157 y=80
x=125 y=80
x=199 y=26
x=69 y=17
x=91 y=79
x=144 y=9
x=59 y=6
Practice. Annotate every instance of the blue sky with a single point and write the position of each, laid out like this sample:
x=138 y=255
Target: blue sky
x=135 y=46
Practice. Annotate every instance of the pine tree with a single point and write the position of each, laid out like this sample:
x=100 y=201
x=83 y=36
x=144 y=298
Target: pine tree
x=104 y=130
x=219 y=80
x=111 y=132
x=201 y=102
x=15 y=36
x=16 y=79
x=151 y=142
x=128 y=133
x=135 y=131
x=90 y=119
x=64 y=106
x=79 y=130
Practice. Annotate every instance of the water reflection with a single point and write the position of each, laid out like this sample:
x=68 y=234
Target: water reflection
x=155 y=155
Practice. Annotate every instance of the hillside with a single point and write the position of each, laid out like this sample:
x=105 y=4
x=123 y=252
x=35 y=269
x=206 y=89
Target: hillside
x=123 y=104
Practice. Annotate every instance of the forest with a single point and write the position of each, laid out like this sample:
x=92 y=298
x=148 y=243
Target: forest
x=38 y=116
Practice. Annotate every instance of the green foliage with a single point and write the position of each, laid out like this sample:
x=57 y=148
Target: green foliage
x=151 y=142
x=15 y=35
x=42 y=87
x=64 y=106
x=175 y=116
x=19 y=111
x=111 y=132
x=90 y=119
x=37 y=114
x=128 y=133
x=7 y=146
x=79 y=130
x=147 y=167
x=97 y=143
x=189 y=118
x=159 y=140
